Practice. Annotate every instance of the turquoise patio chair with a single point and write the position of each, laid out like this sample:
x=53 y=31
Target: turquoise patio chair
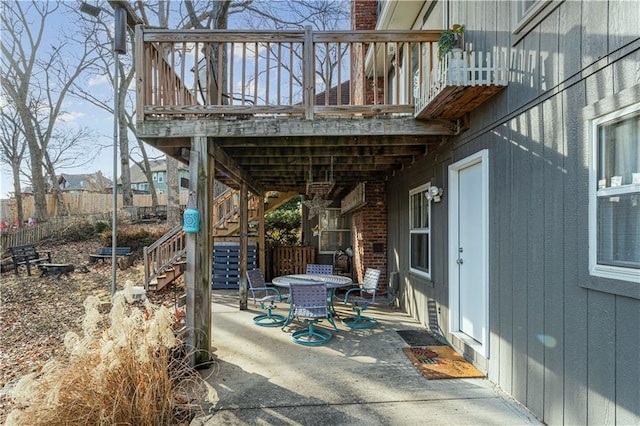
x=309 y=302
x=363 y=295
x=266 y=297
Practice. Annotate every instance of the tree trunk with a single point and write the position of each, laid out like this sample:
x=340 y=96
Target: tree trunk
x=125 y=172
x=17 y=191
x=61 y=209
x=38 y=185
x=173 y=192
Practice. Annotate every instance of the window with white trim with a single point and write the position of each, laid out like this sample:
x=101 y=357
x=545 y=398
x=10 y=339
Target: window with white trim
x=335 y=231
x=160 y=177
x=614 y=199
x=420 y=231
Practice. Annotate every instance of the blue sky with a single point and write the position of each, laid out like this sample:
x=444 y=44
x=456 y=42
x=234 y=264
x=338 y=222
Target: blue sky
x=79 y=113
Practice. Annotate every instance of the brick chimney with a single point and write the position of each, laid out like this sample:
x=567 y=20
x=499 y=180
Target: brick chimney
x=364 y=14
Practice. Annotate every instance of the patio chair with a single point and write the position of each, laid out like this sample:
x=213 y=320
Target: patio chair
x=316 y=269
x=309 y=302
x=266 y=297
x=363 y=295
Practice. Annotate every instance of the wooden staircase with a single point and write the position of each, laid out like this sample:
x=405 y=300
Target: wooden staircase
x=164 y=260
x=226 y=221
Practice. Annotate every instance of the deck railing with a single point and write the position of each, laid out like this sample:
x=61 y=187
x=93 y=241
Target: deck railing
x=189 y=73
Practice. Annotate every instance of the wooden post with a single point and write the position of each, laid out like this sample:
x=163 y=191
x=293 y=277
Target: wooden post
x=198 y=273
x=244 y=237
x=140 y=70
x=261 y=236
x=308 y=65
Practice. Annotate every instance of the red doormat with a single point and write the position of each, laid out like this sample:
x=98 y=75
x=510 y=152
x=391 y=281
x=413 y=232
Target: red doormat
x=440 y=362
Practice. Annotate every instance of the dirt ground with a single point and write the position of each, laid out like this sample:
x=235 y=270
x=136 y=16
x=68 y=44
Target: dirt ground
x=36 y=312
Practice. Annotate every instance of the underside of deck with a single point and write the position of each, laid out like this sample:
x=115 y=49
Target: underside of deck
x=287 y=153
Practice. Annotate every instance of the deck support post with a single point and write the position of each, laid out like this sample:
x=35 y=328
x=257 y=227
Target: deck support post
x=261 y=236
x=199 y=248
x=244 y=237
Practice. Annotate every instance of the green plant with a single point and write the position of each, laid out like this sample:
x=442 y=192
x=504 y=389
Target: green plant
x=101 y=226
x=282 y=226
x=449 y=40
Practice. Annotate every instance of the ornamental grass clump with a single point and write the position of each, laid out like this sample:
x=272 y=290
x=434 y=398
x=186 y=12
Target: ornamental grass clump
x=123 y=369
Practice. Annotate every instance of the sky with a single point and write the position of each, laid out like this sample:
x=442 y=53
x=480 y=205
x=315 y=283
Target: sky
x=79 y=113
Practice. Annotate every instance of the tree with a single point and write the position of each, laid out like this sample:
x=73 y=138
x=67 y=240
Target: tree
x=37 y=79
x=12 y=148
x=282 y=226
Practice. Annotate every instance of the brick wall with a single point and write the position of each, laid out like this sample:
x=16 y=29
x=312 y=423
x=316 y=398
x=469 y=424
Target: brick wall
x=364 y=16
x=369 y=233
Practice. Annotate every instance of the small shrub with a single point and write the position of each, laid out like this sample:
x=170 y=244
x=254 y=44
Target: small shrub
x=134 y=236
x=102 y=226
x=123 y=370
x=76 y=231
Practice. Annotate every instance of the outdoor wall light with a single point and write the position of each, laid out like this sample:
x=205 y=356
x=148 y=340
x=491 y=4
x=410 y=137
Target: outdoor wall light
x=434 y=194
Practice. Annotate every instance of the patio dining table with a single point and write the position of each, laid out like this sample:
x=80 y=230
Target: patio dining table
x=331 y=282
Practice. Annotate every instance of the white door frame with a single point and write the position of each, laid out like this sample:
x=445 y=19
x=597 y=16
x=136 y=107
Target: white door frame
x=454 y=278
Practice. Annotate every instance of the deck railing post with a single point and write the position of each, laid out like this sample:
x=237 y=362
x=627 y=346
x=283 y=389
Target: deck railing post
x=308 y=61
x=140 y=70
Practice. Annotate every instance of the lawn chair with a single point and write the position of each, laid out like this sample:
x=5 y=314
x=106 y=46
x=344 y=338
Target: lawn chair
x=315 y=269
x=309 y=301
x=262 y=294
x=364 y=295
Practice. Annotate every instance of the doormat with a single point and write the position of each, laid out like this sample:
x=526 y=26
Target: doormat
x=419 y=338
x=440 y=362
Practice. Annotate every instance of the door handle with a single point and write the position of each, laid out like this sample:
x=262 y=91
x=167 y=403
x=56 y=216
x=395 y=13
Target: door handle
x=459 y=262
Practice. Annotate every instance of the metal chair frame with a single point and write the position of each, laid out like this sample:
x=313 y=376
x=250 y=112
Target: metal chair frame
x=365 y=295
x=309 y=301
x=266 y=297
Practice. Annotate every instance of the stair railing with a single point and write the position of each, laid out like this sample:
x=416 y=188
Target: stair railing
x=164 y=253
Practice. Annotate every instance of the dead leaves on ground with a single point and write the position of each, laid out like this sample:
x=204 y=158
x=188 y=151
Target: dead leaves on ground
x=36 y=312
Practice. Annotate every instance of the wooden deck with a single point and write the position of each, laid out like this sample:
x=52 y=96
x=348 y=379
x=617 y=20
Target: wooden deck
x=280 y=107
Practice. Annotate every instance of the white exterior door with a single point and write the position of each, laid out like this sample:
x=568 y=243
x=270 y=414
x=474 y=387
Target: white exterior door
x=468 y=242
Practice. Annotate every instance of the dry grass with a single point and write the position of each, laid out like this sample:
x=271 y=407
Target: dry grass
x=125 y=367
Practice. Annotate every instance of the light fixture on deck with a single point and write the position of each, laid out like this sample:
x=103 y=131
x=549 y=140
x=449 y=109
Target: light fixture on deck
x=316 y=205
x=318 y=190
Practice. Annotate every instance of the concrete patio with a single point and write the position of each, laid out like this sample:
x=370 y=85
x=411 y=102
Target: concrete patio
x=361 y=377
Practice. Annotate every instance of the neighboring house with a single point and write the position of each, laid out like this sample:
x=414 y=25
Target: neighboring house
x=139 y=181
x=77 y=183
x=531 y=261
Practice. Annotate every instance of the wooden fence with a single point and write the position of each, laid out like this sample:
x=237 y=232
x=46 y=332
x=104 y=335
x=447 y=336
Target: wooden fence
x=292 y=259
x=81 y=204
x=39 y=232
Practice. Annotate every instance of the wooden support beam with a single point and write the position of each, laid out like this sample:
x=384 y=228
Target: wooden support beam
x=198 y=268
x=261 y=235
x=244 y=237
x=231 y=168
